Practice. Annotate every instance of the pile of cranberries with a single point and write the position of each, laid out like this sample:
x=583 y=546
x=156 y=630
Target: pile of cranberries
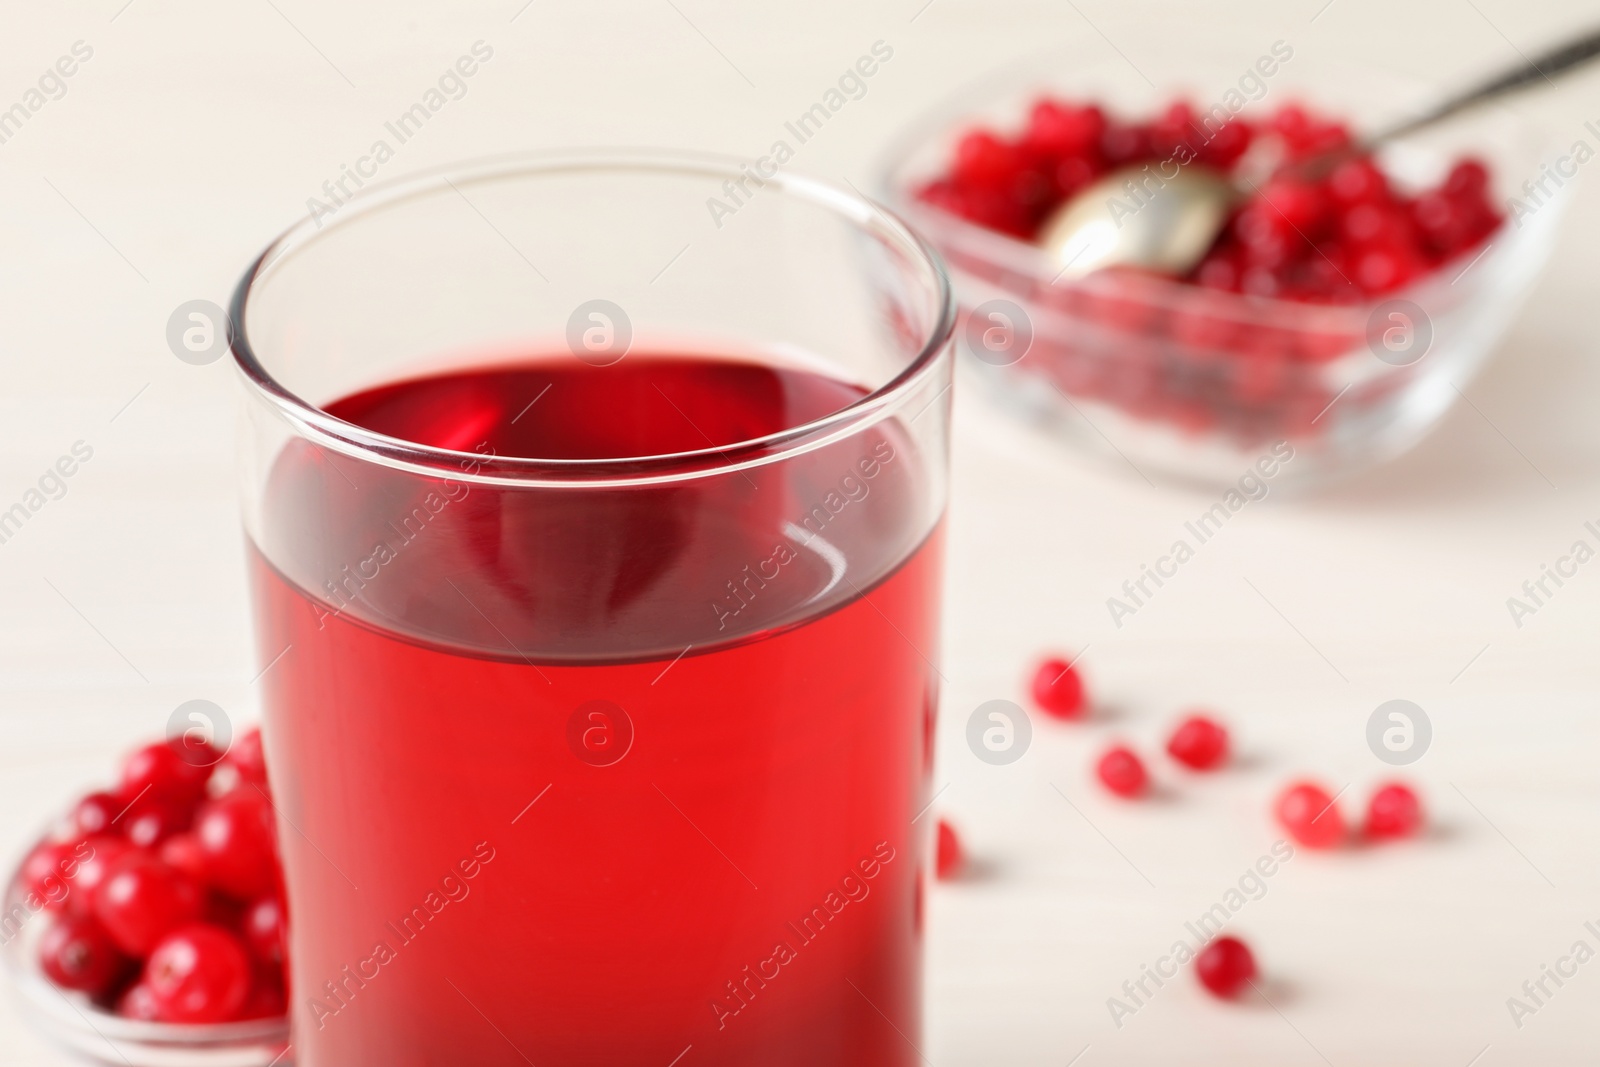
x=1196 y=358
x=1338 y=238
x=164 y=896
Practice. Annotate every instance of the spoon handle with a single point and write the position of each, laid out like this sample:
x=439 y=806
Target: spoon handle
x=1563 y=57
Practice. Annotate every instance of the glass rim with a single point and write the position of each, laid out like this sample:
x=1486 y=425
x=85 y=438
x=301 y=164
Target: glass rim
x=317 y=425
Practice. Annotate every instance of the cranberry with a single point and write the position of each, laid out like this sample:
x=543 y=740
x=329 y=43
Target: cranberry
x=1073 y=174
x=986 y=161
x=1290 y=121
x=1385 y=267
x=1122 y=772
x=97 y=857
x=236 y=835
x=161 y=770
x=1220 y=270
x=1226 y=144
x=153 y=819
x=1302 y=204
x=1358 y=181
x=1468 y=177
x=182 y=852
x=1225 y=966
x=1063 y=130
x=93 y=814
x=263 y=924
x=198 y=974
x=1310 y=815
x=48 y=870
x=1125 y=143
x=247 y=757
x=1198 y=742
x=75 y=953
x=137 y=1002
x=1393 y=811
x=1058 y=689
x=266 y=999
x=141 y=900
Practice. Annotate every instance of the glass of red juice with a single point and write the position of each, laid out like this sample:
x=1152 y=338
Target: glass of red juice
x=594 y=507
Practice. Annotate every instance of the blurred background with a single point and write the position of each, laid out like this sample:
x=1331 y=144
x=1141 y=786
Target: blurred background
x=195 y=132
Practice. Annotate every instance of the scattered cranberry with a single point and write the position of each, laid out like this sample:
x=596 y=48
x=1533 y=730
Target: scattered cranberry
x=1225 y=966
x=1122 y=772
x=141 y=900
x=949 y=857
x=263 y=923
x=1393 y=811
x=235 y=833
x=1198 y=743
x=198 y=974
x=1308 y=812
x=1058 y=689
x=75 y=953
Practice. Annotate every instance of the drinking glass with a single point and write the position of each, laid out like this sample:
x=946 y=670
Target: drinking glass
x=599 y=716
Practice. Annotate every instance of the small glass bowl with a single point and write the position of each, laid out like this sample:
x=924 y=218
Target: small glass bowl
x=90 y=1034
x=1198 y=385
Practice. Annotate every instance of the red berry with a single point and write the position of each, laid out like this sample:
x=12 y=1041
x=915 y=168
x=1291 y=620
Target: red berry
x=1072 y=174
x=47 y=872
x=1198 y=742
x=137 y=1002
x=152 y=819
x=75 y=953
x=1062 y=130
x=986 y=161
x=1358 y=181
x=266 y=999
x=1225 y=966
x=1122 y=772
x=182 y=852
x=247 y=757
x=1227 y=143
x=1058 y=689
x=237 y=837
x=948 y=855
x=1308 y=812
x=1385 y=267
x=1128 y=143
x=98 y=857
x=143 y=899
x=1302 y=204
x=1467 y=178
x=94 y=813
x=264 y=929
x=161 y=770
x=1393 y=811
x=198 y=974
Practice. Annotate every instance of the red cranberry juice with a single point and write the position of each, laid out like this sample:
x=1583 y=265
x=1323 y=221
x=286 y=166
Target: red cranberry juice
x=602 y=775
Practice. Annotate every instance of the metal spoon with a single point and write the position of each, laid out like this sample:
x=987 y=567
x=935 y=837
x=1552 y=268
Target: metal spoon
x=1176 y=219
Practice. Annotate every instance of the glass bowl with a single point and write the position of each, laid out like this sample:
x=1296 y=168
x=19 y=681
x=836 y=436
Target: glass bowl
x=1199 y=385
x=90 y=1034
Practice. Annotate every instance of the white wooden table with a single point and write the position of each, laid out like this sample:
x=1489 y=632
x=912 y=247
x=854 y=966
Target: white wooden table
x=196 y=130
